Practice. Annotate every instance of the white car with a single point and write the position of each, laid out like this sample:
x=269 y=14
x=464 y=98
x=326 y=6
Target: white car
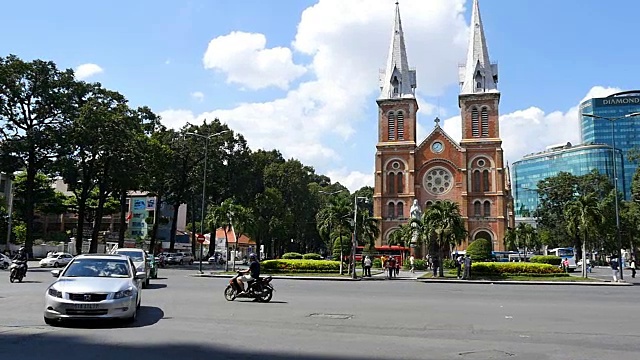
x=94 y=287
x=139 y=258
x=56 y=260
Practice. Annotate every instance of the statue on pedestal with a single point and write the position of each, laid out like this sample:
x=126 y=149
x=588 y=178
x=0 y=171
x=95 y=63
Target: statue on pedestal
x=416 y=213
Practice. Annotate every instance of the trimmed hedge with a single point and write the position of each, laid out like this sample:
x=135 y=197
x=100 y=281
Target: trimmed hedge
x=293 y=265
x=549 y=259
x=377 y=263
x=479 y=250
x=312 y=256
x=292 y=255
x=519 y=268
x=419 y=264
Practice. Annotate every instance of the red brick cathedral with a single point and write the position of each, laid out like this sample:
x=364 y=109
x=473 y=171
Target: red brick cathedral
x=470 y=173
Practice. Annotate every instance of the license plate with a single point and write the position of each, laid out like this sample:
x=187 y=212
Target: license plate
x=85 y=306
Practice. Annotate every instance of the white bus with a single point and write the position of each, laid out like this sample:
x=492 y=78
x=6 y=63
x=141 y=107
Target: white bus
x=565 y=253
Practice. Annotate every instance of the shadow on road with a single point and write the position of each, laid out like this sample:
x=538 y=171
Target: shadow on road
x=147 y=316
x=28 y=282
x=49 y=346
x=153 y=286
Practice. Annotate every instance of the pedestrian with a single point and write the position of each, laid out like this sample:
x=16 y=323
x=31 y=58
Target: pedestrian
x=459 y=262
x=633 y=267
x=411 y=263
x=391 y=267
x=434 y=265
x=614 y=269
x=565 y=265
x=383 y=262
x=367 y=266
x=467 y=267
x=398 y=265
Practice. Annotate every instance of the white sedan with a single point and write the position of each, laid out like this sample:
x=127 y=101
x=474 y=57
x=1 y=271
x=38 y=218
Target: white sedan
x=56 y=260
x=94 y=287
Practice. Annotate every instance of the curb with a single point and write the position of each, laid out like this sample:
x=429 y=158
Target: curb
x=506 y=282
x=317 y=278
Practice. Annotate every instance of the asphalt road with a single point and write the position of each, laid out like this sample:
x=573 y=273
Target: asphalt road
x=187 y=318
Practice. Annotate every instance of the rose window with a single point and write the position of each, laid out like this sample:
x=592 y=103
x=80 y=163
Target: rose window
x=438 y=181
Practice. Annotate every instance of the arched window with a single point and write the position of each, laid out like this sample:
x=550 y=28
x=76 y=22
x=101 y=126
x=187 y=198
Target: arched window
x=475 y=187
x=391 y=126
x=399 y=178
x=477 y=209
x=475 y=123
x=394 y=84
x=391 y=211
x=391 y=183
x=486 y=185
x=400 y=209
x=484 y=117
x=487 y=208
x=429 y=204
x=400 y=117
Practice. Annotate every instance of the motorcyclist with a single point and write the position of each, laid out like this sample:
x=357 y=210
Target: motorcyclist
x=22 y=256
x=253 y=273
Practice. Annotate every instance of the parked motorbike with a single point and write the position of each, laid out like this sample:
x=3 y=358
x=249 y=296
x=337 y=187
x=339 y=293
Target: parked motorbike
x=17 y=270
x=259 y=289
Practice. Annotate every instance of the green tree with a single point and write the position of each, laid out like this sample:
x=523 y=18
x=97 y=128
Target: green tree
x=445 y=226
x=224 y=216
x=524 y=237
x=479 y=250
x=583 y=217
x=35 y=102
x=335 y=218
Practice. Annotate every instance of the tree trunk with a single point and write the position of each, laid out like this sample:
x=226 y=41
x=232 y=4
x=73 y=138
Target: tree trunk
x=156 y=224
x=97 y=222
x=341 y=255
x=30 y=208
x=193 y=228
x=226 y=246
x=123 y=217
x=440 y=259
x=174 y=227
x=82 y=208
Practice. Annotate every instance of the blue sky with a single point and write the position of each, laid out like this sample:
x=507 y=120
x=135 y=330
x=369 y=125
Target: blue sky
x=306 y=84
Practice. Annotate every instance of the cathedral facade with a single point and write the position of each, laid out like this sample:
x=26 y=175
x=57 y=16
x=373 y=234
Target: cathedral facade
x=471 y=173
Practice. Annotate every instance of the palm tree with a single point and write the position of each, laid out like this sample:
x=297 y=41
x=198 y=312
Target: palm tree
x=224 y=216
x=335 y=218
x=368 y=229
x=445 y=226
x=583 y=217
x=402 y=235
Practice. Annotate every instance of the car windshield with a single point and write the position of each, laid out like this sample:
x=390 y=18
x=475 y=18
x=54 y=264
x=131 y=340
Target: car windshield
x=97 y=268
x=134 y=255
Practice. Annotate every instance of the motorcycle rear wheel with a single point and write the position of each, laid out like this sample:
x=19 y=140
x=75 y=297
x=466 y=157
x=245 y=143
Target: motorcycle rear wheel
x=12 y=278
x=230 y=293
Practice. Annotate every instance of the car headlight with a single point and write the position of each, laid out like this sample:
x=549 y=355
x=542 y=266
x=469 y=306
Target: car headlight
x=123 y=294
x=140 y=268
x=55 y=293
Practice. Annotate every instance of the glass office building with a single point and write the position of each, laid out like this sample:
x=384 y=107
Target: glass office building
x=577 y=160
x=626 y=131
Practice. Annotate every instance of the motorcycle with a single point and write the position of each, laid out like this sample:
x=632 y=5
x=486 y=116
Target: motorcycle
x=18 y=270
x=259 y=289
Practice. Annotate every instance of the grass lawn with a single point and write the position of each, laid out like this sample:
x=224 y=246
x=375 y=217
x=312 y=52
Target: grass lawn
x=451 y=274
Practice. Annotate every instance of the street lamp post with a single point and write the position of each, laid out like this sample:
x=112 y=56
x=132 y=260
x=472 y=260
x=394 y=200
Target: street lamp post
x=615 y=179
x=204 y=185
x=355 y=228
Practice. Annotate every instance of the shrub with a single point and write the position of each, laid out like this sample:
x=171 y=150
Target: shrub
x=519 y=268
x=479 y=250
x=312 y=256
x=549 y=259
x=449 y=264
x=419 y=264
x=377 y=263
x=300 y=265
x=292 y=255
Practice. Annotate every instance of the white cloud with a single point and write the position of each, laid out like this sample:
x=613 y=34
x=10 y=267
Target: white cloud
x=198 y=95
x=245 y=60
x=176 y=119
x=532 y=130
x=348 y=43
x=86 y=71
x=353 y=180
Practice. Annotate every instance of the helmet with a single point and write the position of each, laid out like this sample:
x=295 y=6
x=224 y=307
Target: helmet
x=253 y=256
x=21 y=250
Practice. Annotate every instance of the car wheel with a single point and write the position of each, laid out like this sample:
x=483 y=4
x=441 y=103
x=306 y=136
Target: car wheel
x=190 y=262
x=181 y=262
x=132 y=318
x=55 y=264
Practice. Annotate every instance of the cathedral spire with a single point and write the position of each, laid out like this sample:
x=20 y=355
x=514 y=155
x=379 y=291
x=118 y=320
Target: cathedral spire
x=478 y=75
x=397 y=80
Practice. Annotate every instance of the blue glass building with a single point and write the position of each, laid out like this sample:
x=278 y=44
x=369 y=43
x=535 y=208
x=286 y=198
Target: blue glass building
x=626 y=130
x=577 y=160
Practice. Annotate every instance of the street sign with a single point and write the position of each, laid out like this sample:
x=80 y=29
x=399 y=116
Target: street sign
x=200 y=238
